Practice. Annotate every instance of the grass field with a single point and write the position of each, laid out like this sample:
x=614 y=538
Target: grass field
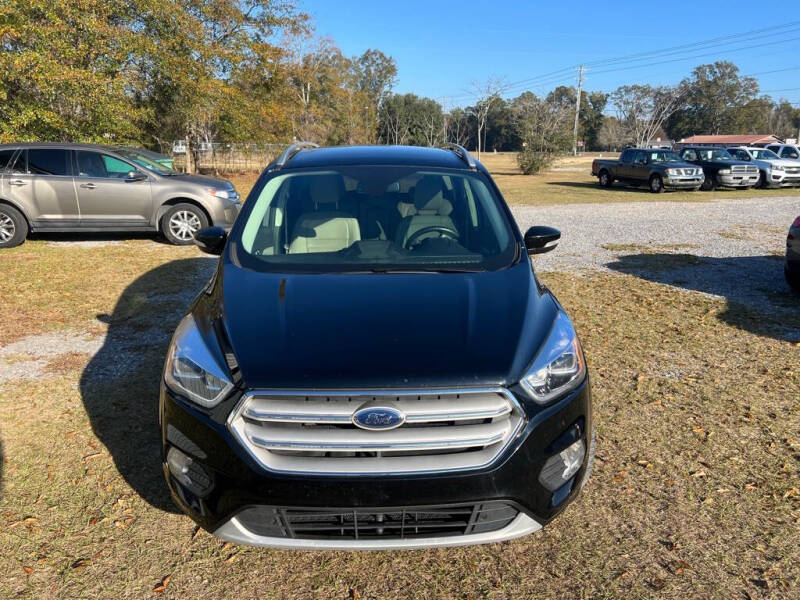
x=570 y=182
x=695 y=493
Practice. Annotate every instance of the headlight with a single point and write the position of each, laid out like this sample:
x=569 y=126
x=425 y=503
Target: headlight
x=224 y=194
x=559 y=366
x=672 y=172
x=724 y=171
x=191 y=369
x=777 y=168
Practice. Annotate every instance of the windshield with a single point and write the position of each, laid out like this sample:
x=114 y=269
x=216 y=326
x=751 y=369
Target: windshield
x=714 y=155
x=764 y=154
x=147 y=163
x=663 y=157
x=376 y=218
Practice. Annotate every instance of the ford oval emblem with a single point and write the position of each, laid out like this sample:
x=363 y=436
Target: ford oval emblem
x=378 y=417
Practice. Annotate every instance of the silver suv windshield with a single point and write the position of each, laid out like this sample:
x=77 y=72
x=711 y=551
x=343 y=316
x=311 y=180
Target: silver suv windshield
x=375 y=218
x=764 y=154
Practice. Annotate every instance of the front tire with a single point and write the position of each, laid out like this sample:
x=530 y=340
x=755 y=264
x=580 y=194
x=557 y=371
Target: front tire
x=13 y=227
x=709 y=184
x=605 y=179
x=656 y=184
x=181 y=222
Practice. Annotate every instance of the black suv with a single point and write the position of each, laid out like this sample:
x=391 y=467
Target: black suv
x=375 y=364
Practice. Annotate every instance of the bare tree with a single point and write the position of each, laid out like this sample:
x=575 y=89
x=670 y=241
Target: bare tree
x=487 y=94
x=644 y=109
x=610 y=134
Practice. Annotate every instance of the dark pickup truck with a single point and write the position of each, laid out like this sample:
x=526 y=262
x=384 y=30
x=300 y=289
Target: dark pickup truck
x=658 y=169
x=721 y=168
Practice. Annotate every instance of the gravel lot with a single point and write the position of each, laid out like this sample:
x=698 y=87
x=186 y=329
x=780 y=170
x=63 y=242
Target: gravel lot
x=732 y=249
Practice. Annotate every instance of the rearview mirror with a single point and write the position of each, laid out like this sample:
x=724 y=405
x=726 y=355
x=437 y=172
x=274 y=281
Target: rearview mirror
x=540 y=239
x=211 y=240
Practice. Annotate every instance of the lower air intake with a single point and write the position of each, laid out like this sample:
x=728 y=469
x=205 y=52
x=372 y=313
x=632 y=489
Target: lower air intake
x=382 y=523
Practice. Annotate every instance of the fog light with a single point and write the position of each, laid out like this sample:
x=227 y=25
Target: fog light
x=562 y=467
x=188 y=472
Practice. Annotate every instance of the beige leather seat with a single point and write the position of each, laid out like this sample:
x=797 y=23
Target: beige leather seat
x=326 y=229
x=430 y=208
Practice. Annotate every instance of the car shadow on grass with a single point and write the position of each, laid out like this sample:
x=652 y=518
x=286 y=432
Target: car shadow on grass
x=100 y=238
x=758 y=298
x=120 y=385
x=595 y=186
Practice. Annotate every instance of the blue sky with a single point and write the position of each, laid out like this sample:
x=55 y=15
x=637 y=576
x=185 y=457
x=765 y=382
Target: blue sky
x=441 y=47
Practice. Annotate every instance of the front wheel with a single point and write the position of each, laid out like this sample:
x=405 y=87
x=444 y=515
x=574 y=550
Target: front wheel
x=181 y=222
x=709 y=184
x=656 y=184
x=13 y=227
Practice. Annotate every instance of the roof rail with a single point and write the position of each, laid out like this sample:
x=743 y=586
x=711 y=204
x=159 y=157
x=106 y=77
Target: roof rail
x=289 y=153
x=463 y=154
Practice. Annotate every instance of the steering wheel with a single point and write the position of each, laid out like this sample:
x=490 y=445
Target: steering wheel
x=442 y=230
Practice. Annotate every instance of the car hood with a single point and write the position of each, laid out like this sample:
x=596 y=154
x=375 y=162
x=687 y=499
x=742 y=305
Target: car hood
x=679 y=165
x=346 y=331
x=784 y=162
x=205 y=180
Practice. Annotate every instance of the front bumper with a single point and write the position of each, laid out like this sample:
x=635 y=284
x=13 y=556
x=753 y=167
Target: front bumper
x=683 y=183
x=238 y=483
x=738 y=180
x=783 y=179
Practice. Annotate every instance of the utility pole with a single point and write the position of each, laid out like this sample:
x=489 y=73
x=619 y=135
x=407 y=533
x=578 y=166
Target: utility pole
x=577 y=112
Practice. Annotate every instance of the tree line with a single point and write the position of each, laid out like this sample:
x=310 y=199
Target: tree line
x=152 y=71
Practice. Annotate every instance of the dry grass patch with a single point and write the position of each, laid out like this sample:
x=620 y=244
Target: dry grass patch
x=47 y=288
x=69 y=362
x=695 y=493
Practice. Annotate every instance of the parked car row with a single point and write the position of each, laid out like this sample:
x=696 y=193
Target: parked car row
x=700 y=167
x=87 y=188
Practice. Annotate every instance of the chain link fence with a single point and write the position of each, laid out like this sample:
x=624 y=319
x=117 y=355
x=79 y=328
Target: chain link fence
x=228 y=158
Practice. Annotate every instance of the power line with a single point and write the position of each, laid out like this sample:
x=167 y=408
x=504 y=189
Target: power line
x=727 y=40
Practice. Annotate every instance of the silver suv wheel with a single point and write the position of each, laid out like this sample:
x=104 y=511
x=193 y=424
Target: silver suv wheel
x=7 y=228
x=184 y=224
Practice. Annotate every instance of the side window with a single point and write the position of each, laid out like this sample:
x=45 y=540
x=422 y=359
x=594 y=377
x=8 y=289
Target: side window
x=116 y=167
x=95 y=164
x=627 y=156
x=48 y=161
x=5 y=158
x=789 y=152
x=641 y=158
x=689 y=155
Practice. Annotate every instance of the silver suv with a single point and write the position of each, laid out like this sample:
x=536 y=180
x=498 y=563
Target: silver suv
x=83 y=188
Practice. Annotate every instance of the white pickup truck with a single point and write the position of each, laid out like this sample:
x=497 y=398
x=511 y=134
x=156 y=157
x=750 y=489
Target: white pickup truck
x=774 y=170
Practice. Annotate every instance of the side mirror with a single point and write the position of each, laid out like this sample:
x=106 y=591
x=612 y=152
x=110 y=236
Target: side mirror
x=540 y=239
x=211 y=240
x=135 y=176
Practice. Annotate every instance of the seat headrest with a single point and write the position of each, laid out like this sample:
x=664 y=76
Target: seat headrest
x=429 y=197
x=325 y=189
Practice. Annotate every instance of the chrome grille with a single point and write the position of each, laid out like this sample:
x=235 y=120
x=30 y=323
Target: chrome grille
x=366 y=523
x=313 y=432
x=743 y=169
x=792 y=170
